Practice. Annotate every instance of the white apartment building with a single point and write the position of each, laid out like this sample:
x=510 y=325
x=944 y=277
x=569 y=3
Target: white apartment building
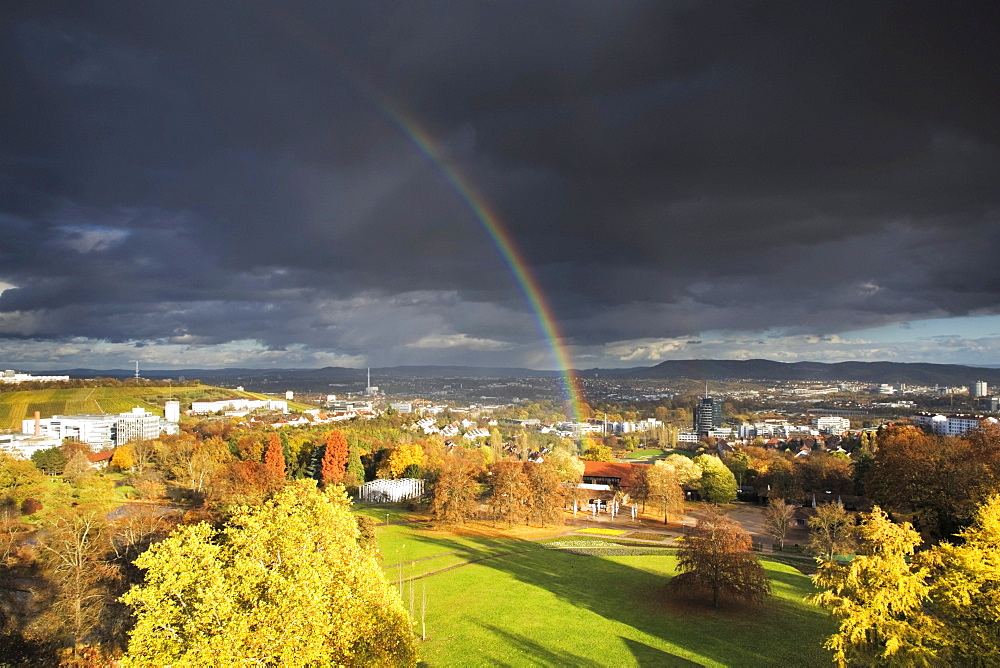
x=981 y=389
x=950 y=425
x=238 y=404
x=831 y=424
x=172 y=411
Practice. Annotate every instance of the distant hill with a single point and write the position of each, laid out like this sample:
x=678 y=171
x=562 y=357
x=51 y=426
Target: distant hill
x=871 y=372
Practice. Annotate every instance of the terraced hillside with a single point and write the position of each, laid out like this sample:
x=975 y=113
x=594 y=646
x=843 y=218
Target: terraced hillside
x=18 y=405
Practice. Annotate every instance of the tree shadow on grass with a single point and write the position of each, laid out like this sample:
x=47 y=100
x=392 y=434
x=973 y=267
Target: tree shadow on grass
x=631 y=596
x=650 y=656
x=525 y=646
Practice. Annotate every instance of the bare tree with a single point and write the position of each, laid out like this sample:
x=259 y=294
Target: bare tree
x=778 y=518
x=73 y=549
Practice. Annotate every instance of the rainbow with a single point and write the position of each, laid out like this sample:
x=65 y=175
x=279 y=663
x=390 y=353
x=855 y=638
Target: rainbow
x=502 y=239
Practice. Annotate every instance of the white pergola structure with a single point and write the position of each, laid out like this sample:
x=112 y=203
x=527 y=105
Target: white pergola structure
x=386 y=491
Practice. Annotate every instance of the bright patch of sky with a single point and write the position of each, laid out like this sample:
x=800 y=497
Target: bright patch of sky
x=970 y=327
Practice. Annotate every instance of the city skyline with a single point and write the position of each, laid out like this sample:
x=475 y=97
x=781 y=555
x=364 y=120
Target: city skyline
x=498 y=184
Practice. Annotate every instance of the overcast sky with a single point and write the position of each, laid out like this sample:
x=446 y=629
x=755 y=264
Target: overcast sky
x=210 y=184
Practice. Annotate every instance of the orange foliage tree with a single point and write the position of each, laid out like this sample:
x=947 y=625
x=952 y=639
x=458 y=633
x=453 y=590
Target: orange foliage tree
x=334 y=458
x=274 y=459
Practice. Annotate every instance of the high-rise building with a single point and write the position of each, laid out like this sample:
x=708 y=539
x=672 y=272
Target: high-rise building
x=981 y=389
x=172 y=411
x=707 y=416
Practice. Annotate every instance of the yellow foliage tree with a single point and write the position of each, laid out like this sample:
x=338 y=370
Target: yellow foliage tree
x=400 y=459
x=124 y=457
x=879 y=598
x=286 y=583
x=966 y=591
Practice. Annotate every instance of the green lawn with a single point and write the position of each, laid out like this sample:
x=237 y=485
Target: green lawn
x=642 y=454
x=548 y=607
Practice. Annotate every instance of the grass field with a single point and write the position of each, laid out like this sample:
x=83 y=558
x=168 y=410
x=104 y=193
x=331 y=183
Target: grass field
x=527 y=606
x=18 y=405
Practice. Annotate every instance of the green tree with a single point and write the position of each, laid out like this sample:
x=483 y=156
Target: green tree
x=966 y=590
x=286 y=583
x=718 y=484
x=879 y=598
x=716 y=559
x=49 y=460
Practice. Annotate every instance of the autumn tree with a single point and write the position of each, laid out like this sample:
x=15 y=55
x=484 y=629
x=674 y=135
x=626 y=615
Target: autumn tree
x=566 y=465
x=716 y=559
x=274 y=458
x=831 y=531
x=664 y=490
x=937 y=481
x=454 y=490
x=879 y=599
x=545 y=494
x=639 y=489
x=718 y=484
x=509 y=492
x=597 y=452
x=192 y=462
x=334 y=461
x=286 y=583
x=124 y=457
x=965 y=590
x=400 y=459
x=778 y=518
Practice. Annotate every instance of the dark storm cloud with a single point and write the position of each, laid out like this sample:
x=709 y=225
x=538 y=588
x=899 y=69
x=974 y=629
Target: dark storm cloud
x=220 y=172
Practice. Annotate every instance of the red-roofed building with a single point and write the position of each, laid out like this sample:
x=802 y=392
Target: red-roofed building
x=614 y=474
x=100 y=460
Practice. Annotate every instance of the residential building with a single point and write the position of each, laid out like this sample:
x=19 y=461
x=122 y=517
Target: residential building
x=829 y=424
x=980 y=389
